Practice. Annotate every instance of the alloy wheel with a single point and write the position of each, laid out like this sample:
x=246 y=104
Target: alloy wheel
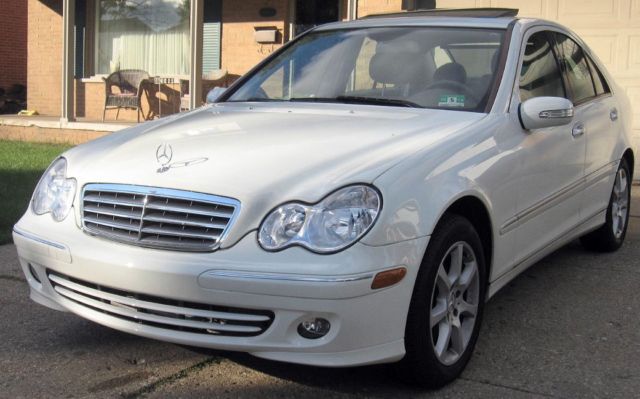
x=620 y=203
x=454 y=303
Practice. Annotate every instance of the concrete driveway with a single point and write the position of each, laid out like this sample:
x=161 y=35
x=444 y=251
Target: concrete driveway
x=568 y=327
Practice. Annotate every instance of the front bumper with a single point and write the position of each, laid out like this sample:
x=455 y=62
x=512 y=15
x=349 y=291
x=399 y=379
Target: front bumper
x=367 y=326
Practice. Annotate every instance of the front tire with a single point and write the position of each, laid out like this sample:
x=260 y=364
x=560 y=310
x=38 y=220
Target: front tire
x=446 y=307
x=610 y=236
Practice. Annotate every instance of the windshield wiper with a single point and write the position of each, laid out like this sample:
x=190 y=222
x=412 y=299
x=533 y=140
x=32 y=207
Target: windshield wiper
x=359 y=100
x=378 y=101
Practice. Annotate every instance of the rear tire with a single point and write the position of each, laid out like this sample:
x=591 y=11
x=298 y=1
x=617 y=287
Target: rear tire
x=446 y=307
x=610 y=236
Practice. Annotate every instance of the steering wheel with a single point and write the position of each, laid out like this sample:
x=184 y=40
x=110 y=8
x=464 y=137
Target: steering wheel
x=456 y=87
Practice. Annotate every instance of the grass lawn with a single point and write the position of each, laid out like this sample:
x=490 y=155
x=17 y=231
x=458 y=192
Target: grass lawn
x=21 y=165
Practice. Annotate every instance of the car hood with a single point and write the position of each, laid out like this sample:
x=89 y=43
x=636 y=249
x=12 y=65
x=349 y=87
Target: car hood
x=263 y=154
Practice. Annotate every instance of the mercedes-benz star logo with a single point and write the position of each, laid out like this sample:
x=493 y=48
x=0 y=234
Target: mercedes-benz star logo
x=164 y=154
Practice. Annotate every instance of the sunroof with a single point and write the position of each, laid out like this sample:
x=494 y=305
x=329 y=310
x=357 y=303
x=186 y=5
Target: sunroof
x=453 y=12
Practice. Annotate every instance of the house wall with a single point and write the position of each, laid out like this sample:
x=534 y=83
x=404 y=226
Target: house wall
x=368 y=7
x=239 y=50
x=44 y=56
x=13 y=46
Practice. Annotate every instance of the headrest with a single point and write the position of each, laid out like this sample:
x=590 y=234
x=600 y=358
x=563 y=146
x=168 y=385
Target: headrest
x=397 y=67
x=452 y=71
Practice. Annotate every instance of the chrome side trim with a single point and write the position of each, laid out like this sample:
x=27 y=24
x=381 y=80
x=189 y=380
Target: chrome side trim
x=34 y=237
x=601 y=173
x=542 y=206
x=529 y=260
x=557 y=197
x=286 y=277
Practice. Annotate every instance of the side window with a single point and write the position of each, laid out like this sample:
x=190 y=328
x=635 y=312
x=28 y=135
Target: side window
x=598 y=80
x=576 y=67
x=540 y=75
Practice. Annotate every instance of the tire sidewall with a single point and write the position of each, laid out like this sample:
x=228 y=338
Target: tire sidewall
x=618 y=241
x=418 y=334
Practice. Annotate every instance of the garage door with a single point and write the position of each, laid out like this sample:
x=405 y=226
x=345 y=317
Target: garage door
x=611 y=28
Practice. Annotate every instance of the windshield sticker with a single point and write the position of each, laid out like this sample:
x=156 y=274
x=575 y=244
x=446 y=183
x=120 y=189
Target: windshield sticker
x=451 y=100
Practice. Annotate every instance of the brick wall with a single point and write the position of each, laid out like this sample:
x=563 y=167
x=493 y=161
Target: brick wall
x=44 y=56
x=13 y=43
x=367 y=7
x=239 y=51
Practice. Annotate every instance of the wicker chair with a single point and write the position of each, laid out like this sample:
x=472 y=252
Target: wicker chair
x=130 y=85
x=185 y=98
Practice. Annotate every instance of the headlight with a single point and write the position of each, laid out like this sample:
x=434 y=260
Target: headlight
x=332 y=224
x=54 y=192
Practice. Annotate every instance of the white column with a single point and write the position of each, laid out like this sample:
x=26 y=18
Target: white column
x=353 y=9
x=292 y=20
x=68 y=59
x=195 y=83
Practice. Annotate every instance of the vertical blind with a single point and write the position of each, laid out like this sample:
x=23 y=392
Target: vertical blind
x=152 y=35
x=211 y=33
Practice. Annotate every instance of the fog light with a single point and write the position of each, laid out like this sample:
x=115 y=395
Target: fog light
x=314 y=328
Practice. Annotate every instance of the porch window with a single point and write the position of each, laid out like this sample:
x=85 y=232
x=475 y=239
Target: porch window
x=152 y=35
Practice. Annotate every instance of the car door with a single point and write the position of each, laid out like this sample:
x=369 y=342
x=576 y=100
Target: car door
x=596 y=114
x=551 y=167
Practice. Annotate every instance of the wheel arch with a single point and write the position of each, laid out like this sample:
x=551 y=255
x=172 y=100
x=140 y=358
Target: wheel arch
x=629 y=157
x=476 y=211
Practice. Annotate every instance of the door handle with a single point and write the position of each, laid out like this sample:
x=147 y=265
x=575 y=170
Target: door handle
x=613 y=114
x=578 y=130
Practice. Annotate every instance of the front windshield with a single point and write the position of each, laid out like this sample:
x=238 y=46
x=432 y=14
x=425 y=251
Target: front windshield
x=427 y=67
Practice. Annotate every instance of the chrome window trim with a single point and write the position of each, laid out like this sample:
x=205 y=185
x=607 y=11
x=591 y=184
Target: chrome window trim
x=540 y=27
x=161 y=192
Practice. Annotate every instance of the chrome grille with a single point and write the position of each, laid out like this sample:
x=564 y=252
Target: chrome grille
x=157 y=217
x=162 y=312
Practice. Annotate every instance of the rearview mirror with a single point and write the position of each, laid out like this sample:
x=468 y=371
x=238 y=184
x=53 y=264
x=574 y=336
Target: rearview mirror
x=214 y=94
x=541 y=112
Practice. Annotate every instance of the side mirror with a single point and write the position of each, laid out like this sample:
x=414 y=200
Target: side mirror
x=541 y=112
x=214 y=94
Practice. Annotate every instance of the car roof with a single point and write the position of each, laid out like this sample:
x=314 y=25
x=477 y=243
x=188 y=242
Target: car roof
x=497 y=18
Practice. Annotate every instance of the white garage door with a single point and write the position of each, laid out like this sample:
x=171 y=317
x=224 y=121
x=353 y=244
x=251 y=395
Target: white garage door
x=611 y=28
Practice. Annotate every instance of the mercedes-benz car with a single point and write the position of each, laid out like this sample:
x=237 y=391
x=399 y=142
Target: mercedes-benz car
x=354 y=199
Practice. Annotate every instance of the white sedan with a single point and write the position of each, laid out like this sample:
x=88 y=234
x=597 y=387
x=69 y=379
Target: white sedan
x=354 y=199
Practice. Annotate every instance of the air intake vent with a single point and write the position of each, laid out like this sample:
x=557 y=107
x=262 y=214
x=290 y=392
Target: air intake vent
x=157 y=217
x=162 y=312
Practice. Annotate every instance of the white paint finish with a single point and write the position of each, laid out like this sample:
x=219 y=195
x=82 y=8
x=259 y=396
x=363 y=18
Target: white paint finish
x=154 y=273
x=611 y=28
x=303 y=151
x=537 y=186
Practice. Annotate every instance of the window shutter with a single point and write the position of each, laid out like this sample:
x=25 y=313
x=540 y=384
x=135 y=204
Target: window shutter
x=211 y=37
